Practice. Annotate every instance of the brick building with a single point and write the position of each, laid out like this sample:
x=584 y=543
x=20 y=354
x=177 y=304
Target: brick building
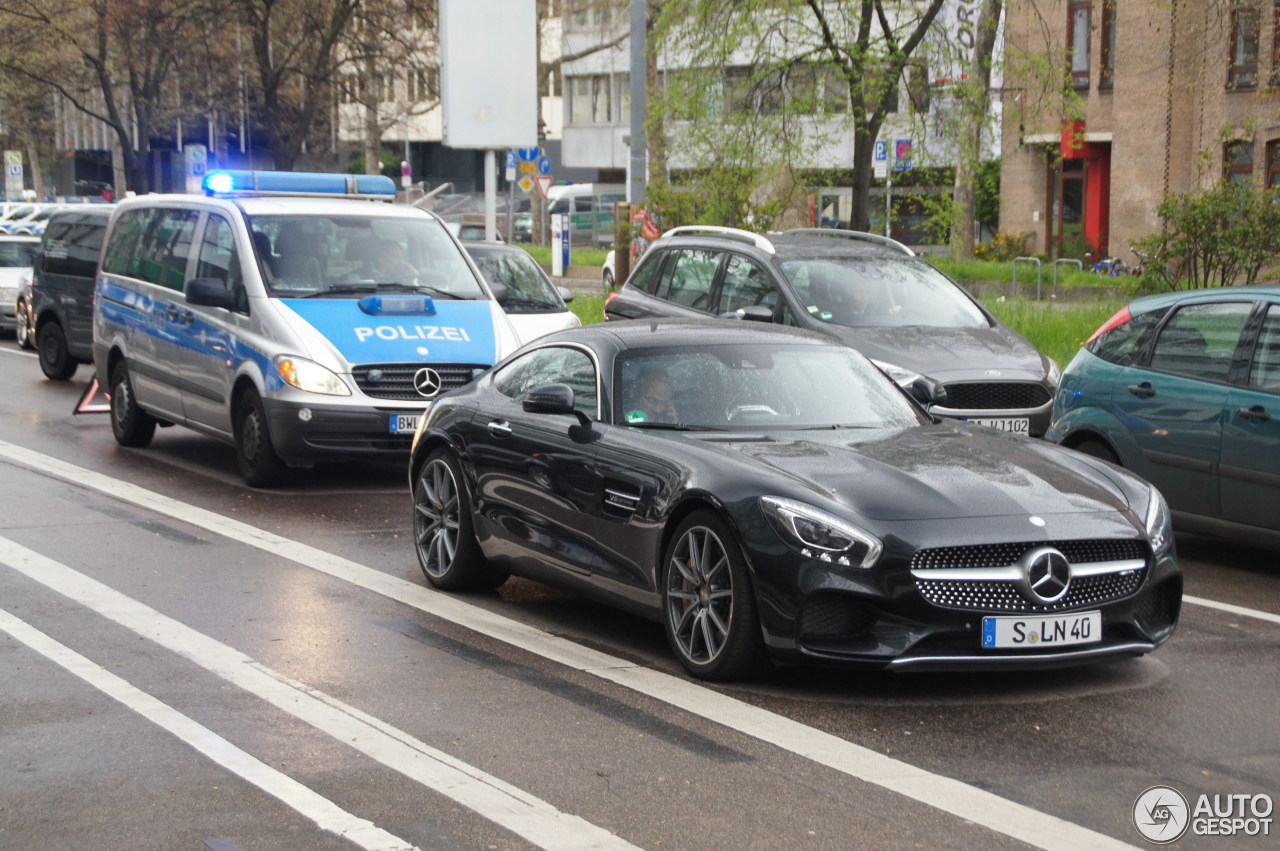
x=1171 y=95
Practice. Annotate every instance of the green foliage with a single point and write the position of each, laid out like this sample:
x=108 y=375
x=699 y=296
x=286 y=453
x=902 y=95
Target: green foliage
x=1221 y=236
x=588 y=307
x=1057 y=330
x=1004 y=246
x=388 y=164
x=577 y=256
x=987 y=193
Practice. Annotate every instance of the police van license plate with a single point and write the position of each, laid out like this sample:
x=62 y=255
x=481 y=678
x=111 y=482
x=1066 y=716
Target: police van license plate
x=1016 y=425
x=1046 y=630
x=404 y=423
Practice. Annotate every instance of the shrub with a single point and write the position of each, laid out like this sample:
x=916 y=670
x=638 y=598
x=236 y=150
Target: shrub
x=1003 y=246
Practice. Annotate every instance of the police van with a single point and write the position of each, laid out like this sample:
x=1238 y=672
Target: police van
x=299 y=317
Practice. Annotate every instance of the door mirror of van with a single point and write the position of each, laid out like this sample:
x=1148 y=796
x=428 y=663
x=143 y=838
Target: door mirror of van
x=566 y=294
x=209 y=292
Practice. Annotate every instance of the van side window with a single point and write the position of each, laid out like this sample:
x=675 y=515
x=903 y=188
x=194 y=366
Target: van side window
x=125 y=238
x=219 y=259
x=163 y=255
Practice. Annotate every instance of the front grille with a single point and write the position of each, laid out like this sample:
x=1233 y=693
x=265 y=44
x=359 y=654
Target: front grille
x=1003 y=596
x=995 y=396
x=999 y=555
x=395 y=380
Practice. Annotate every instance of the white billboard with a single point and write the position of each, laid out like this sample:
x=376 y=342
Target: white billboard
x=489 y=73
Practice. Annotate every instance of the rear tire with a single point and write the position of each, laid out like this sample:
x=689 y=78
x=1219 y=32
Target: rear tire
x=24 y=332
x=131 y=425
x=1098 y=449
x=443 y=532
x=55 y=361
x=711 y=618
x=256 y=456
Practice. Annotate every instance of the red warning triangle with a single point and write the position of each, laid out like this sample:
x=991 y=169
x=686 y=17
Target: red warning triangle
x=93 y=400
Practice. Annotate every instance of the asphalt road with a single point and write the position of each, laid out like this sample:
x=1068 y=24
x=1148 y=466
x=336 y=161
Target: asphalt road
x=190 y=663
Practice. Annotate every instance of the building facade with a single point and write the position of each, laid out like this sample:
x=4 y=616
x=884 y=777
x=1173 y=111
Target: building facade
x=1167 y=96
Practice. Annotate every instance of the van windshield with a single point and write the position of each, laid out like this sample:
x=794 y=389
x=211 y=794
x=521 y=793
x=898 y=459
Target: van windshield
x=314 y=256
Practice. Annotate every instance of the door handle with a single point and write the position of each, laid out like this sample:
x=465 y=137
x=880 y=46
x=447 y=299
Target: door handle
x=499 y=428
x=1143 y=390
x=1257 y=413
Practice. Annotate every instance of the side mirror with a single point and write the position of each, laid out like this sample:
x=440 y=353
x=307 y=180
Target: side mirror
x=552 y=399
x=755 y=313
x=209 y=292
x=566 y=294
x=500 y=292
x=927 y=393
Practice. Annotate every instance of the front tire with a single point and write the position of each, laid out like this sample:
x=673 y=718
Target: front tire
x=711 y=617
x=256 y=456
x=55 y=361
x=131 y=425
x=443 y=532
x=608 y=281
x=25 y=330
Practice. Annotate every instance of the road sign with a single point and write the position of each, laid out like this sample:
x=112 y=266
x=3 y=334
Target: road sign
x=880 y=159
x=544 y=164
x=544 y=184
x=529 y=155
x=902 y=154
x=13 y=184
x=511 y=166
x=525 y=183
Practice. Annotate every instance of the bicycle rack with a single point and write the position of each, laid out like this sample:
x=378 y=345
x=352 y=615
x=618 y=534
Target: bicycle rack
x=1070 y=260
x=1039 y=269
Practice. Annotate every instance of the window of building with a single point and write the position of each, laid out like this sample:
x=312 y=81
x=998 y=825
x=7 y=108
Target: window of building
x=835 y=89
x=1246 y=21
x=1078 y=12
x=622 y=98
x=589 y=99
x=1238 y=162
x=1107 y=65
x=423 y=85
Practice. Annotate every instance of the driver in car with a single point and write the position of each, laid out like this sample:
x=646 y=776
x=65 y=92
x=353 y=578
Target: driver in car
x=649 y=400
x=393 y=266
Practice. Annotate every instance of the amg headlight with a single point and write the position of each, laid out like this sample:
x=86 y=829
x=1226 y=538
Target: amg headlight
x=819 y=534
x=310 y=376
x=1159 y=523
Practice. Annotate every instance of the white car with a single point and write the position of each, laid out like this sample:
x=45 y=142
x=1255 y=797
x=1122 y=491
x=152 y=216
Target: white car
x=607 y=275
x=534 y=306
x=17 y=254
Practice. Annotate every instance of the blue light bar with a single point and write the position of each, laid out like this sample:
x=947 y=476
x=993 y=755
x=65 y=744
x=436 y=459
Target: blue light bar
x=374 y=186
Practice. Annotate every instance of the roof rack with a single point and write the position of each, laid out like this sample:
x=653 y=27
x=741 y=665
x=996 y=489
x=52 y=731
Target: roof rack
x=758 y=240
x=854 y=234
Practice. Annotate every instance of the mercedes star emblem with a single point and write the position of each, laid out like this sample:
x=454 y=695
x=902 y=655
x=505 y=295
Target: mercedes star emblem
x=427 y=382
x=1048 y=575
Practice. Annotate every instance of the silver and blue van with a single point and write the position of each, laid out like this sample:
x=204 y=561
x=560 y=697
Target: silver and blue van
x=299 y=317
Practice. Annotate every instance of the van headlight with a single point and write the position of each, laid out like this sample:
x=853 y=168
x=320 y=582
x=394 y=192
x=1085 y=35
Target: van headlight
x=310 y=376
x=1159 y=523
x=819 y=534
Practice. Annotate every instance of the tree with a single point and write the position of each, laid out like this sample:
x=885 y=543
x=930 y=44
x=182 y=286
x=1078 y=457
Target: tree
x=975 y=105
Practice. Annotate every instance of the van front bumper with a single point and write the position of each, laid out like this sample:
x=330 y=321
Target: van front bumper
x=304 y=434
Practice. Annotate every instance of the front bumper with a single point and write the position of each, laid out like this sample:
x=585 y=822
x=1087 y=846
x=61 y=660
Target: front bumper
x=332 y=432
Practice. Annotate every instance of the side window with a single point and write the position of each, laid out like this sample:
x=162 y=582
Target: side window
x=54 y=248
x=645 y=277
x=687 y=276
x=745 y=285
x=162 y=257
x=1264 y=372
x=126 y=236
x=84 y=245
x=560 y=205
x=1199 y=341
x=219 y=258
x=1124 y=343
x=552 y=365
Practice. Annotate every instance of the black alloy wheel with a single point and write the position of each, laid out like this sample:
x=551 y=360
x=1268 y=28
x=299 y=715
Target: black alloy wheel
x=256 y=456
x=443 y=534
x=55 y=361
x=131 y=425
x=711 y=617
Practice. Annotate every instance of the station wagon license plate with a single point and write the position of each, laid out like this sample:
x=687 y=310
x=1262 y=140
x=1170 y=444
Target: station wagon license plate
x=404 y=423
x=1045 y=630
x=1016 y=425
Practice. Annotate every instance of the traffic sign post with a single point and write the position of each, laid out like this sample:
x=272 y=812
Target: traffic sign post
x=13 y=174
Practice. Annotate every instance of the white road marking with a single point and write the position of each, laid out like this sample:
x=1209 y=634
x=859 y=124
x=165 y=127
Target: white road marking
x=1012 y=819
x=1233 y=609
x=326 y=814
x=22 y=353
x=523 y=814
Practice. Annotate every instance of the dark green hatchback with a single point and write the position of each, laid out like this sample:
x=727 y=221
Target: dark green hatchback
x=1184 y=390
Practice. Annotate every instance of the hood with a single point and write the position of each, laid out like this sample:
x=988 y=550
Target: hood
x=937 y=472
x=362 y=331
x=531 y=326
x=948 y=354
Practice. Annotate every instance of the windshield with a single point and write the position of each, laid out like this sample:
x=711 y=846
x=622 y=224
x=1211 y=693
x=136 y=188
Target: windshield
x=528 y=289
x=770 y=386
x=880 y=292
x=304 y=256
x=18 y=254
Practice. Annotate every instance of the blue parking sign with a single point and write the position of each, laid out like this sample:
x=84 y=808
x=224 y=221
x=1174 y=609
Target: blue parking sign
x=882 y=151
